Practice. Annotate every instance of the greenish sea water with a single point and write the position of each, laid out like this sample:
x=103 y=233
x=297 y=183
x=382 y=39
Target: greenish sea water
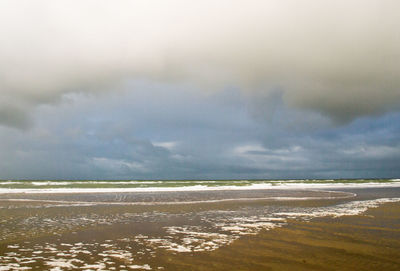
x=142 y=185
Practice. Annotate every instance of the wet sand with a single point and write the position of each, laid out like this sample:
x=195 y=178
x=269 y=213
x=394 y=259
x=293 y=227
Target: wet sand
x=114 y=232
x=364 y=242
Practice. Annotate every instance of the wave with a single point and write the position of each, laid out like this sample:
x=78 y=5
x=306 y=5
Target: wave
x=47 y=187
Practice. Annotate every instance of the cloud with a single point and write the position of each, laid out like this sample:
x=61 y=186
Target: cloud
x=14 y=117
x=338 y=58
x=129 y=135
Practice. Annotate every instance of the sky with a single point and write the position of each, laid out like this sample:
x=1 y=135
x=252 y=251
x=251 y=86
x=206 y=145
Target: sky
x=174 y=89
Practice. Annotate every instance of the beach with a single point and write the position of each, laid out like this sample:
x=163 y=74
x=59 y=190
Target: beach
x=247 y=226
x=364 y=242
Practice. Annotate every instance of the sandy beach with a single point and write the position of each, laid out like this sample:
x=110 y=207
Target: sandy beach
x=258 y=229
x=364 y=242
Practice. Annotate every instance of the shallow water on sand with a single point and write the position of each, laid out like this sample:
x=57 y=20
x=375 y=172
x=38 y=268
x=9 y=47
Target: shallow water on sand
x=115 y=231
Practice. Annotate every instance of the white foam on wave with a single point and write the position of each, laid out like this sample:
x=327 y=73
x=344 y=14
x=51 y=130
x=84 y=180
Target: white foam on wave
x=66 y=183
x=290 y=184
x=61 y=183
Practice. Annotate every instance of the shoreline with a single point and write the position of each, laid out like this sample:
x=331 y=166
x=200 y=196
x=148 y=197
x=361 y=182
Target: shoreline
x=262 y=234
x=319 y=195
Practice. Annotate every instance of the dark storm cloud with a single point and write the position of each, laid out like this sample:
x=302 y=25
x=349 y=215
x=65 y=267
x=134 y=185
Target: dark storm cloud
x=339 y=58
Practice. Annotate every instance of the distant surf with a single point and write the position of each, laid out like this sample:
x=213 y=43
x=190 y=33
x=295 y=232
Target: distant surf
x=99 y=186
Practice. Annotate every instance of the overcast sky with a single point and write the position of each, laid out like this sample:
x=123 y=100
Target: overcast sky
x=199 y=89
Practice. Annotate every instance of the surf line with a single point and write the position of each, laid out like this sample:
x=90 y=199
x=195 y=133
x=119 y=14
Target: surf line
x=141 y=203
